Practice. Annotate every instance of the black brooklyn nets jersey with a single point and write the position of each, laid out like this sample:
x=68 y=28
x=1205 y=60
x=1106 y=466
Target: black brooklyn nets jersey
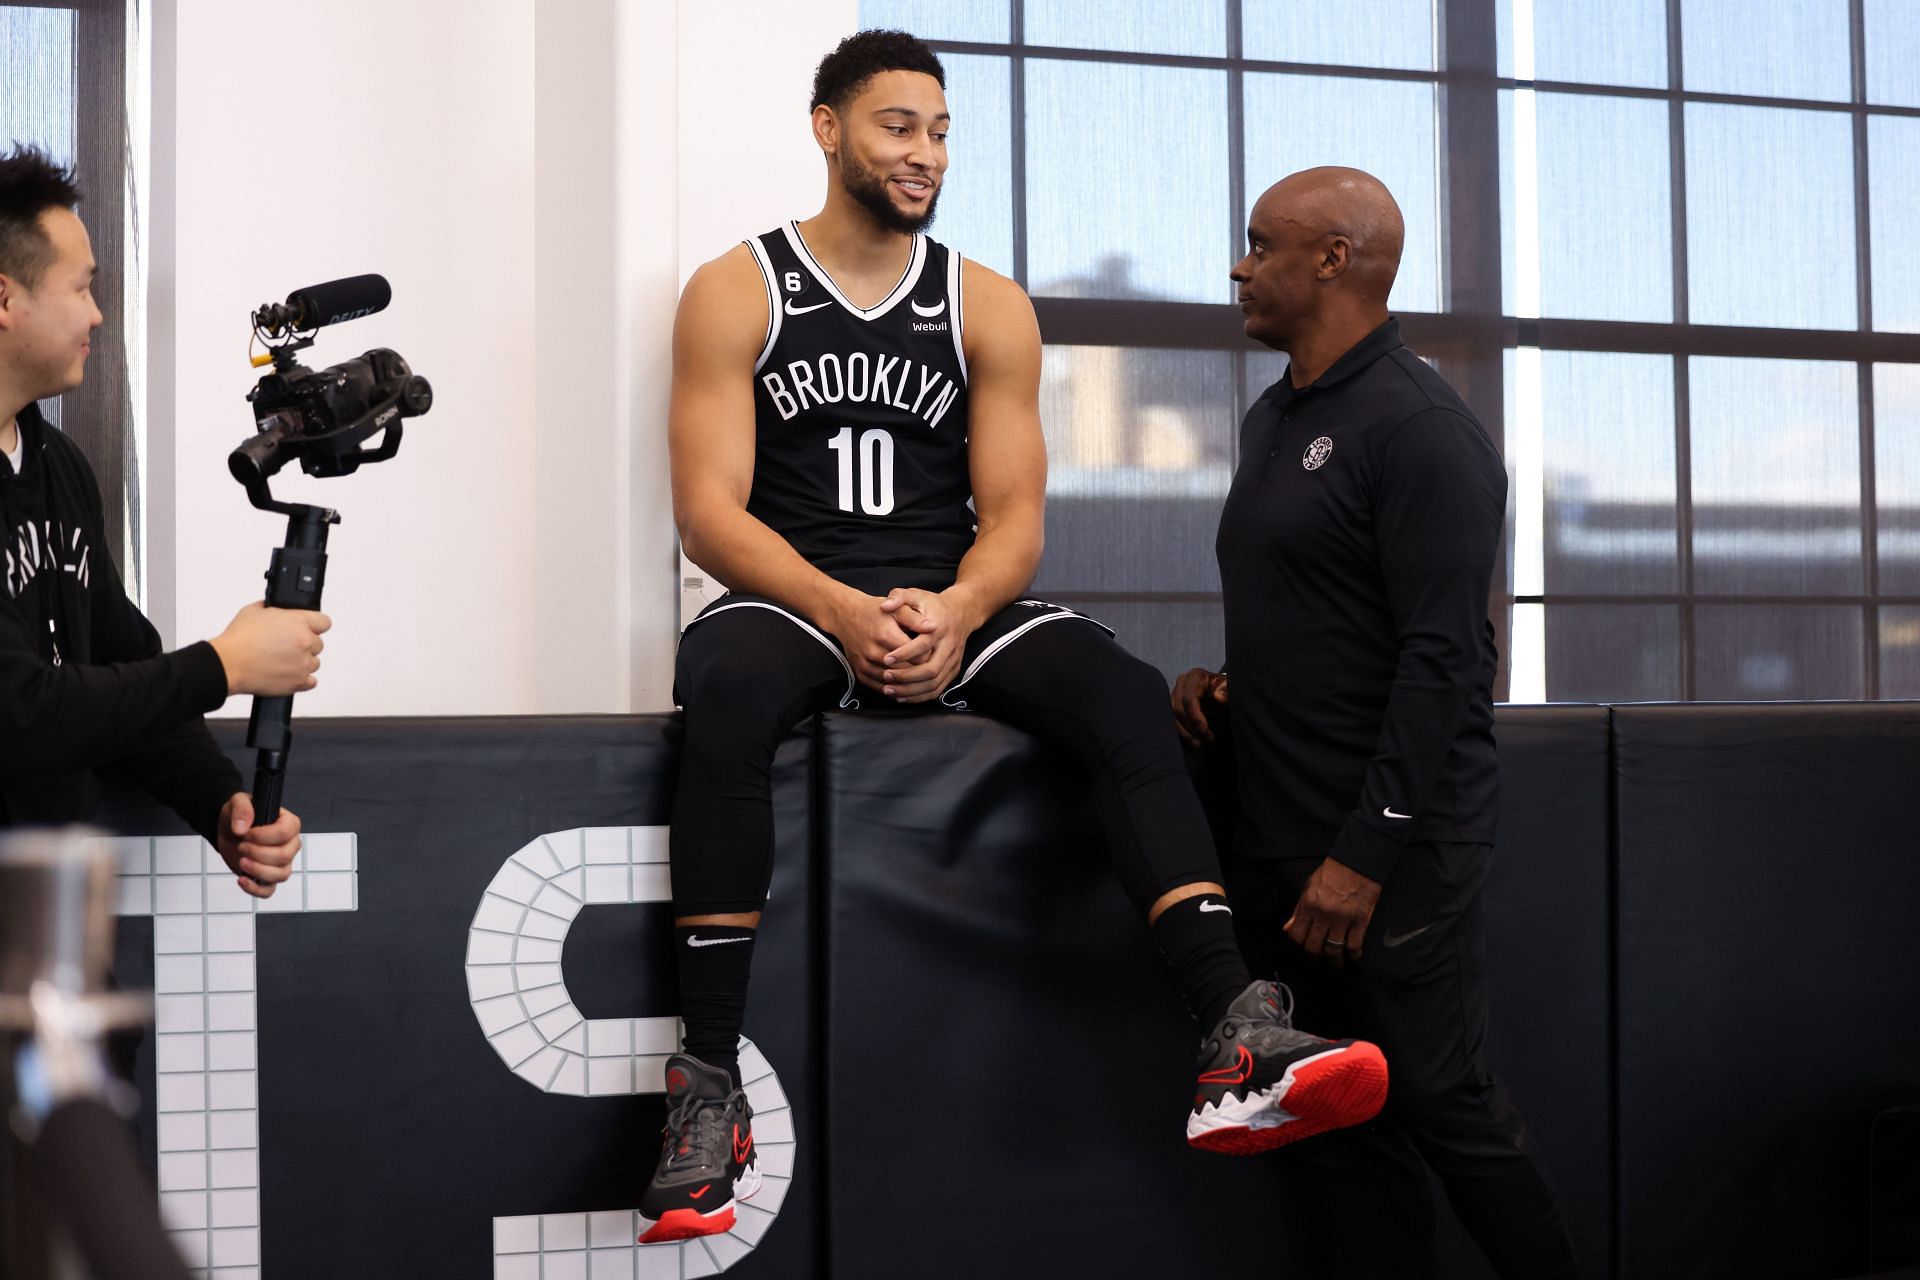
x=860 y=419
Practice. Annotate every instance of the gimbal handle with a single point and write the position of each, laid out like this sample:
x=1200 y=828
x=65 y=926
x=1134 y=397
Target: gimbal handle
x=295 y=578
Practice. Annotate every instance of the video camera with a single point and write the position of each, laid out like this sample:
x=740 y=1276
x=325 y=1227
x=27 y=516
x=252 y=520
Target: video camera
x=323 y=419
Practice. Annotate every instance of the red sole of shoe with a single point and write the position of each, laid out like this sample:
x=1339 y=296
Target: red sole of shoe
x=1334 y=1092
x=685 y=1224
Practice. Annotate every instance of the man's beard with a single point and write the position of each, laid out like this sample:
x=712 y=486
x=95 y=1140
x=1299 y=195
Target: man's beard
x=869 y=191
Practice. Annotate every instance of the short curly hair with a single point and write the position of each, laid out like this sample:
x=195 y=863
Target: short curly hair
x=30 y=184
x=864 y=55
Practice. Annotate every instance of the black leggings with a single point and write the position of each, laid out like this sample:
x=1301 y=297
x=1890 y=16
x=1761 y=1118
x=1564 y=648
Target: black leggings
x=748 y=675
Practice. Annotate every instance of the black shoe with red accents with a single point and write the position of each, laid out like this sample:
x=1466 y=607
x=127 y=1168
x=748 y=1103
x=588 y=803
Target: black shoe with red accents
x=707 y=1160
x=1264 y=1084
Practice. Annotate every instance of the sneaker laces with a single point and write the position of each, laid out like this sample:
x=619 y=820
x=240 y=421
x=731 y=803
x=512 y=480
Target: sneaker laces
x=1285 y=995
x=1281 y=1015
x=1275 y=1027
x=694 y=1128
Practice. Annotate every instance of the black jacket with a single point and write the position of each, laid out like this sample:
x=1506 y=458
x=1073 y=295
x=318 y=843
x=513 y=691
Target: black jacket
x=83 y=683
x=1356 y=553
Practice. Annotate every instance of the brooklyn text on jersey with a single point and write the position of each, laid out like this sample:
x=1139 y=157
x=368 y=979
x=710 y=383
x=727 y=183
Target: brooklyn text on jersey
x=834 y=377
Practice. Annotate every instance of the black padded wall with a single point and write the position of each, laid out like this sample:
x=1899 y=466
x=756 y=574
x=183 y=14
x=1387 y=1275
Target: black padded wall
x=1769 y=979
x=987 y=1062
x=1549 y=968
x=951 y=858
x=391 y=1133
x=1009 y=1066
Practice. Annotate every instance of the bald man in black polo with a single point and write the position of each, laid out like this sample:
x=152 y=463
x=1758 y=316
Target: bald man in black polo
x=1356 y=555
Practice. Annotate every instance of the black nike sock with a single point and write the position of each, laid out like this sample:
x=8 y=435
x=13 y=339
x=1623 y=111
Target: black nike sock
x=1196 y=936
x=714 y=961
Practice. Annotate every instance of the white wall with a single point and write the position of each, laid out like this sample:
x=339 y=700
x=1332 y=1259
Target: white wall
x=536 y=181
x=748 y=158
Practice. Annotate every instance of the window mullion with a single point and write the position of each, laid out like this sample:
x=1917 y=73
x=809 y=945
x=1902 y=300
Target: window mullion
x=1017 y=112
x=1682 y=383
x=1863 y=268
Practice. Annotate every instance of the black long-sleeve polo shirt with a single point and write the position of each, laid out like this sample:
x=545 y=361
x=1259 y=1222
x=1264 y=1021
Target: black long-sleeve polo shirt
x=1356 y=554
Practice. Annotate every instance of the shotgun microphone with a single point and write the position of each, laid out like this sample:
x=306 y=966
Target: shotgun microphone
x=324 y=304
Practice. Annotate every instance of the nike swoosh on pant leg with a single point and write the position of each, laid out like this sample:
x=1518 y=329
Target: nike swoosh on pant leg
x=1395 y=939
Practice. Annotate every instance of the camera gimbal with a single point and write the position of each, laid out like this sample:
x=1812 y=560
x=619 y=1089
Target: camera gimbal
x=323 y=419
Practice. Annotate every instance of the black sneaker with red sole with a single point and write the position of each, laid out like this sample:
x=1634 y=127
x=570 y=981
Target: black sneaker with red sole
x=1263 y=1084
x=707 y=1160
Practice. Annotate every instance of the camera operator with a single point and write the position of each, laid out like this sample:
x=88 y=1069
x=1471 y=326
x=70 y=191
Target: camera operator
x=83 y=681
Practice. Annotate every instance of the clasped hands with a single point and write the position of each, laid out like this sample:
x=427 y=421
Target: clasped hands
x=907 y=644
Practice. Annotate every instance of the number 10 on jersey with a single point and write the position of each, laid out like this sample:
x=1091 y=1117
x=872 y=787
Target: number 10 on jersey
x=872 y=459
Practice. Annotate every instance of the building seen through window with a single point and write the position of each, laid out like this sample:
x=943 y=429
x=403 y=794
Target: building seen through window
x=1665 y=248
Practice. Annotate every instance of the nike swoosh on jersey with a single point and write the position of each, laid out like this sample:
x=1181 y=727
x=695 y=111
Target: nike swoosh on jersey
x=800 y=311
x=928 y=312
x=1388 y=812
x=1216 y=906
x=714 y=942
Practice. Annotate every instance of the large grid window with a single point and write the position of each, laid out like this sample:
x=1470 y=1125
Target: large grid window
x=1665 y=248
x=63 y=88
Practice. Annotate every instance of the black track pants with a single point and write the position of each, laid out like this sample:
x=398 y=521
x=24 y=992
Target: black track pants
x=1419 y=992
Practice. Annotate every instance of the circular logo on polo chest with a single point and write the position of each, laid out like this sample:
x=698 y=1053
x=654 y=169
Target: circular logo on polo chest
x=1317 y=453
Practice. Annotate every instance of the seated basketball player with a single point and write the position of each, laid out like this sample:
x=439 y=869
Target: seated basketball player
x=857 y=456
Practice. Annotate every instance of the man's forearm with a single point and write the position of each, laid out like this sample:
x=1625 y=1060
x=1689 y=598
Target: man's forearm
x=998 y=568
x=1433 y=689
x=1440 y=500
x=187 y=772
x=745 y=555
x=57 y=720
